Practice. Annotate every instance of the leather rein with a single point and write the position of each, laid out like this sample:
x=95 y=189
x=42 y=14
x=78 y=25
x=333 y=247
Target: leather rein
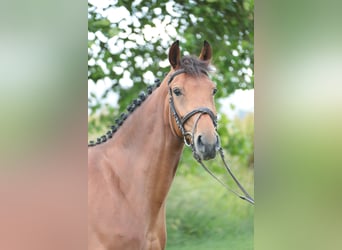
x=180 y=121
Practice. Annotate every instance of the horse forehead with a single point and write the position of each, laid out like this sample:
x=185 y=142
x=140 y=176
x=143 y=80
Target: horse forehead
x=199 y=85
x=196 y=82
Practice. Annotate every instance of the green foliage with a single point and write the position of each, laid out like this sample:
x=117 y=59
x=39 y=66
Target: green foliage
x=128 y=46
x=237 y=137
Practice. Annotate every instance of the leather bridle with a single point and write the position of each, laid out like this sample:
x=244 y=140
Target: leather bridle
x=180 y=121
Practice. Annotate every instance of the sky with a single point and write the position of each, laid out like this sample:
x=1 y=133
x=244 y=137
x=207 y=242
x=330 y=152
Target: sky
x=242 y=100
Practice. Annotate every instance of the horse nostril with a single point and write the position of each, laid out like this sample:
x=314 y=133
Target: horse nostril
x=199 y=140
x=206 y=147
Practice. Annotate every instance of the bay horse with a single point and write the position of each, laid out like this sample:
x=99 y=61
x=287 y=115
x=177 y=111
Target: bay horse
x=131 y=168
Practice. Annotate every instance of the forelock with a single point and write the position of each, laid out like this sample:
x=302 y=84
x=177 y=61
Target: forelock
x=194 y=66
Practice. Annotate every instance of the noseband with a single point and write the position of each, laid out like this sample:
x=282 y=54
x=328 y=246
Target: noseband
x=180 y=121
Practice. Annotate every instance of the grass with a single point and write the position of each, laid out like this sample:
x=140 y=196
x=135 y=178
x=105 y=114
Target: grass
x=201 y=214
x=236 y=242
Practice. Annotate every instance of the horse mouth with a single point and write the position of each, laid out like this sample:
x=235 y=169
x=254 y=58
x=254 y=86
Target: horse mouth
x=206 y=156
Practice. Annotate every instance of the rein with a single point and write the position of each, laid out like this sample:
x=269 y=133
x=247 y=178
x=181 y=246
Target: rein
x=180 y=123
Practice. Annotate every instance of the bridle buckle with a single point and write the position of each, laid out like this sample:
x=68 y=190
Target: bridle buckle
x=185 y=136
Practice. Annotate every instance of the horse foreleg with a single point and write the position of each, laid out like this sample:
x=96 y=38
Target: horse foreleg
x=156 y=238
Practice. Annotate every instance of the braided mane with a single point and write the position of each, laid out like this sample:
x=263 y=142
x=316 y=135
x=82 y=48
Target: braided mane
x=123 y=116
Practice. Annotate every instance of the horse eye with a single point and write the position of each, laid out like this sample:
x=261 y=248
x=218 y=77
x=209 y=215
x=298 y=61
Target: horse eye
x=177 y=91
x=214 y=91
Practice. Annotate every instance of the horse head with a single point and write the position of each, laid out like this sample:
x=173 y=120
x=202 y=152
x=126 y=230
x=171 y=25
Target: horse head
x=191 y=98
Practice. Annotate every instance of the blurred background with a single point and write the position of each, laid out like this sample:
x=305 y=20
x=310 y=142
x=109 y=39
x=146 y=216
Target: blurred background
x=298 y=139
x=128 y=44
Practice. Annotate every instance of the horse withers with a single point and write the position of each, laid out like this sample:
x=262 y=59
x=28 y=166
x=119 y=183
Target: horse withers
x=131 y=168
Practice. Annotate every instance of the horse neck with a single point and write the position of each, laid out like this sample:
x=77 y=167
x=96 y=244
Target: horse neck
x=150 y=149
x=149 y=126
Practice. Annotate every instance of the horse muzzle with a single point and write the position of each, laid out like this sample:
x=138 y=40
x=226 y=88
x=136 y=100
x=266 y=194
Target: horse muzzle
x=206 y=146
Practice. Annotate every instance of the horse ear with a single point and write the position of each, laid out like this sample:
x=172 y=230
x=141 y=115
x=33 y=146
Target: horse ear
x=174 y=55
x=206 y=52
